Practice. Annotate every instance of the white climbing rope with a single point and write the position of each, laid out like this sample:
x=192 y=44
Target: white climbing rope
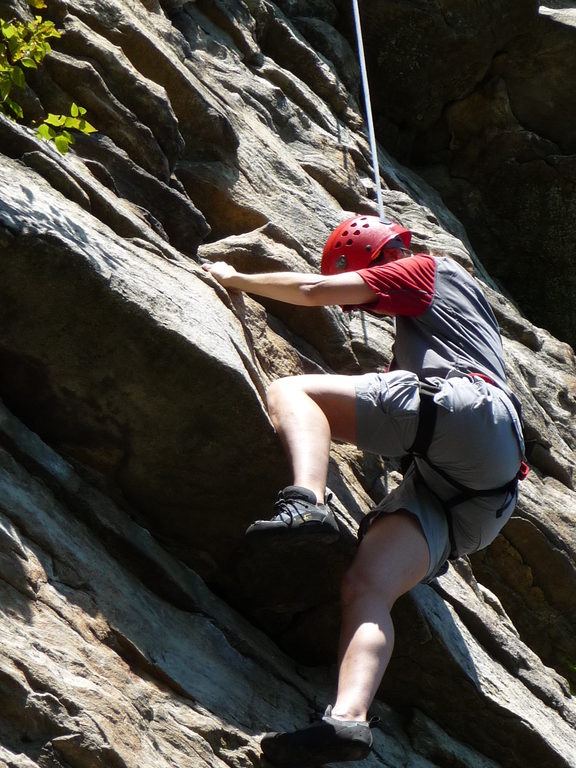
x=371 y=134
x=369 y=119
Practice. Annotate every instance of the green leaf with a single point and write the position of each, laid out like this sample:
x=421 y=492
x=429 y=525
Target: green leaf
x=47 y=29
x=8 y=31
x=5 y=88
x=45 y=132
x=57 y=120
x=38 y=54
x=77 y=123
x=17 y=77
x=37 y=4
x=15 y=108
x=17 y=48
x=63 y=142
x=86 y=127
x=24 y=46
x=71 y=122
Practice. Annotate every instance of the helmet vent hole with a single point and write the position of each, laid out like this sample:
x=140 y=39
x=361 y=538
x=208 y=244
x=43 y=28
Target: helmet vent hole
x=349 y=242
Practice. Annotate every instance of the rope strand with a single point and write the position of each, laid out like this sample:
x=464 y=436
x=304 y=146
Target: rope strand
x=369 y=119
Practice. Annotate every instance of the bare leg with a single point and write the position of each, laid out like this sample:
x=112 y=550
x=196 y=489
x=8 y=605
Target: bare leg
x=392 y=558
x=307 y=412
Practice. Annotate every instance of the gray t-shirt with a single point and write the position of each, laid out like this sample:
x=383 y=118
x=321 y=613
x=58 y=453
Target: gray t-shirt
x=444 y=323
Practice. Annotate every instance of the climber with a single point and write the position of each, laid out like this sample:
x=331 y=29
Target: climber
x=444 y=402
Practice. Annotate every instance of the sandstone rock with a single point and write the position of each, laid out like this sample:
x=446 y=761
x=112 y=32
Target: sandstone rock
x=60 y=368
x=145 y=99
x=82 y=680
x=424 y=58
x=444 y=693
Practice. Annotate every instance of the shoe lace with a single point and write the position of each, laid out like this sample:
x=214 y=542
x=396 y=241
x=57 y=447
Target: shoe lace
x=291 y=507
x=288 y=507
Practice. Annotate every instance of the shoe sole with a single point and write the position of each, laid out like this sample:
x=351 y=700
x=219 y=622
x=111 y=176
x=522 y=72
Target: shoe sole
x=304 y=534
x=299 y=759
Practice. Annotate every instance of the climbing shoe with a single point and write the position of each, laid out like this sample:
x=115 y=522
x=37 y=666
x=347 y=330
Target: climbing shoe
x=327 y=741
x=298 y=518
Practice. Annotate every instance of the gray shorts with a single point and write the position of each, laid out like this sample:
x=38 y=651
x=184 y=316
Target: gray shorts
x=477 y=441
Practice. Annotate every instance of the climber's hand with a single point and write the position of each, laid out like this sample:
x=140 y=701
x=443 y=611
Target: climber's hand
x=221 y=271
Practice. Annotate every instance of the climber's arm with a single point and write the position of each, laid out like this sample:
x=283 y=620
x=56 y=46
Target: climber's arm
x=299 y=288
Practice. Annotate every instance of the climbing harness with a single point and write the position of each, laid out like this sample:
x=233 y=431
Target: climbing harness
x=419 y=449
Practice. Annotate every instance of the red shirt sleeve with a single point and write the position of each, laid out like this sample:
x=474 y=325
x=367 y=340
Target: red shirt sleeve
x=403 y=287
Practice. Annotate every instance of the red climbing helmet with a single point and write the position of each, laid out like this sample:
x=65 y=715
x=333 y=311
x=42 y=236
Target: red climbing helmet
x=355 y=243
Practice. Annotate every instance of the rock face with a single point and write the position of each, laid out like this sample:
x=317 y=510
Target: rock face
x=137 y=630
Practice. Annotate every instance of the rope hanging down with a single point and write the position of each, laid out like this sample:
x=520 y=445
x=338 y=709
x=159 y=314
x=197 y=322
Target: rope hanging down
x=369 y=119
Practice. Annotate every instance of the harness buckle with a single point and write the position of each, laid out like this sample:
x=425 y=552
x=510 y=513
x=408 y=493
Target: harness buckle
x=523 y=471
